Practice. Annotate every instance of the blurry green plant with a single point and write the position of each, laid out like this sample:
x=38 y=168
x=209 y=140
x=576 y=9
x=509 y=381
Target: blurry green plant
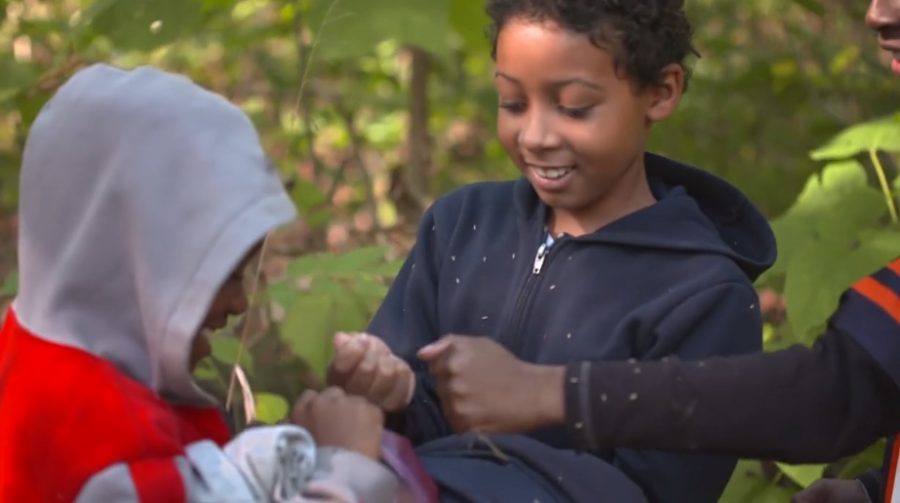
x=842 y=227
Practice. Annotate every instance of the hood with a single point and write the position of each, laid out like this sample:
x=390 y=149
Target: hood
x=695 y=212
x=140 y=192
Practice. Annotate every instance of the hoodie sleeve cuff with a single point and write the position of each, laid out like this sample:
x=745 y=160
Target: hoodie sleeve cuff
x=579 y=422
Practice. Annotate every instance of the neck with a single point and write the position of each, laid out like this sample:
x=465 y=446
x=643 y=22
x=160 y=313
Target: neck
x=628 y=194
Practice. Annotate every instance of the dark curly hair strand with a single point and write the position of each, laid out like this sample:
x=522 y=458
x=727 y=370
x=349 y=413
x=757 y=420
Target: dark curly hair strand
x=644 y=35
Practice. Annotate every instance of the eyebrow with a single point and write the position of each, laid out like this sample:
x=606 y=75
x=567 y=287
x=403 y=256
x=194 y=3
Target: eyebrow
x=556 y=84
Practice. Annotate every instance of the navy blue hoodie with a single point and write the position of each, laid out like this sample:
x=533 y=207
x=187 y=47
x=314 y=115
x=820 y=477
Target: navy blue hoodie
x=670 y=279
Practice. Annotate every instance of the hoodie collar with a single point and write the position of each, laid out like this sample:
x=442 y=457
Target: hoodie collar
x=695 y=212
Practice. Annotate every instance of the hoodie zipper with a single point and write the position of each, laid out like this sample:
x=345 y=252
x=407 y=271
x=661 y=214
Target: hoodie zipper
x=523 y=300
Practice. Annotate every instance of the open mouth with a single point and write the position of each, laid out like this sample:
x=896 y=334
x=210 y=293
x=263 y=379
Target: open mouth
x=551 y=173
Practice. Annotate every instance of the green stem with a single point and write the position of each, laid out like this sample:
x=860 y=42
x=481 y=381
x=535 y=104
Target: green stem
x=885 y=188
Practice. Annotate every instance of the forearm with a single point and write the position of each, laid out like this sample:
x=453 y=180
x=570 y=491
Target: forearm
x=801 y=405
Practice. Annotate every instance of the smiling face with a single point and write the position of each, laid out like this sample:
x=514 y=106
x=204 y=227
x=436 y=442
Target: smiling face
x=574 y=124
x=883 y=16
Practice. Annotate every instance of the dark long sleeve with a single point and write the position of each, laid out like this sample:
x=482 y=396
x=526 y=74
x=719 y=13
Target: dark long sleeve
x=407 y=320
x=798 y=405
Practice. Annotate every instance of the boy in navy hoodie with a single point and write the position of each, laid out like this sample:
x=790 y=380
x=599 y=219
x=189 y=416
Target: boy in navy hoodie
x=600 y=251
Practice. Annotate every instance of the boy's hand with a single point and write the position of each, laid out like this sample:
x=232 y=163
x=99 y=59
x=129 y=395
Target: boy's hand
x=484 y=388
x=363 y=365
x=337 y=420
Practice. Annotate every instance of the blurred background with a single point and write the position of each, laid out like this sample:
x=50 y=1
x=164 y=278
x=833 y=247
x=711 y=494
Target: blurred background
x=372 y=109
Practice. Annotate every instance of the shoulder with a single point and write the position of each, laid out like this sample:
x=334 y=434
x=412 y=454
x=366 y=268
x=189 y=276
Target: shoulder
x=477 y=196
x=69 y=388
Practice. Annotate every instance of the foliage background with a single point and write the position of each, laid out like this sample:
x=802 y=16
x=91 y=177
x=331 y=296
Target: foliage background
x=398 y=107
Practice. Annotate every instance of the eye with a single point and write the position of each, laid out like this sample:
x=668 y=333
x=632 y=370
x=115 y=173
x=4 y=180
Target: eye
x=576 y=112
x=514 y=107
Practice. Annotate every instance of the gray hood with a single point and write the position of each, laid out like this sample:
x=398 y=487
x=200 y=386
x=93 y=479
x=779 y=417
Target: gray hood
x=140 y=192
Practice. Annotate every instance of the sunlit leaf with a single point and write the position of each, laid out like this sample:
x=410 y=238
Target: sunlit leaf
x=803 y=475
x=748 y=483
x=270 y=408
x=882 y=134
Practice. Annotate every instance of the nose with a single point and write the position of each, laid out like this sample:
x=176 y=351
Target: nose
x=883 y=14
x=537 y=133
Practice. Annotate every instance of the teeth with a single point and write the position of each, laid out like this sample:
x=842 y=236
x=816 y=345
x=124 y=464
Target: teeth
x=551 y=173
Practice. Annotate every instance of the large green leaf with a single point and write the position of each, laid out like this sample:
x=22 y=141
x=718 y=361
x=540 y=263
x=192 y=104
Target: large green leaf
x=142 y=24
x=354 y=27
x=817 y=275
x=881 y=134
x=833 y=209
x=308 y=329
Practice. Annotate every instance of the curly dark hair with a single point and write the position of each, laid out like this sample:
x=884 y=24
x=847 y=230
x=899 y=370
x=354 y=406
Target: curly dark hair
x=644 y=35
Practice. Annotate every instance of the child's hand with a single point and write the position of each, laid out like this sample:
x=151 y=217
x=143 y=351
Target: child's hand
x=335 y=419
x=363 y=365
x=484 y=388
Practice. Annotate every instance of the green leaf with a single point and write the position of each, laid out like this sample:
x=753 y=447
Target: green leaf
x=359 y=260
x=3 y=4
x=10 y=285
x=308 y=330
x=350 y=316
x=225 y=349
x=870 y=458
x=354 y=27
x=881 y=134
x=818 y=275
x=748 y=483
x=387 y=269
x=803 y=475
x=206 y=371
x=306 y=195
x=282 y=293
x=270 y=408
x=142 y=24
x=832 y=209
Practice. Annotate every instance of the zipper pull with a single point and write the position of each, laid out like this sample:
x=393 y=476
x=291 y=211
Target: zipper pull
x=542 y=253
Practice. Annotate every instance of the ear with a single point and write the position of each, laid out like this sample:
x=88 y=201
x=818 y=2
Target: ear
x=663 y=98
